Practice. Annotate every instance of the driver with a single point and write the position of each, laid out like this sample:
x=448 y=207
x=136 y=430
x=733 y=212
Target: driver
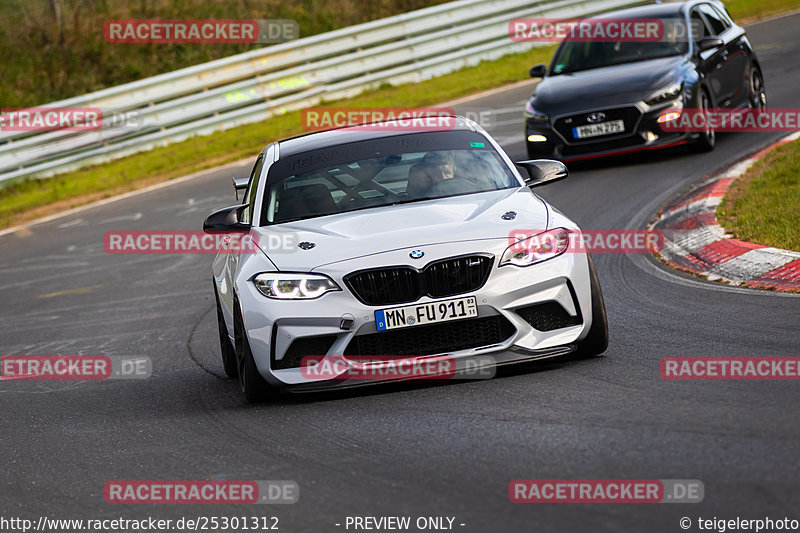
x=427 y=178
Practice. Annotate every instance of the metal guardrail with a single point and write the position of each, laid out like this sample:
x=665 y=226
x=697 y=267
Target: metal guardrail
x=260 y=84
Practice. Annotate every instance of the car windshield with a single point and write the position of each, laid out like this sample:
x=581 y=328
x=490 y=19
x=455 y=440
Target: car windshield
x=382 y=172
x=575 y=55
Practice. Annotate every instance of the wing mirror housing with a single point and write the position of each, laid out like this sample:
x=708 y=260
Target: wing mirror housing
x=227 y=219
x=542 y=171
x=707 y=43
x=538 y=71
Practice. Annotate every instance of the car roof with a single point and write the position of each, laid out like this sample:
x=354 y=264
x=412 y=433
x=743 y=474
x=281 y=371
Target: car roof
x=355 y=133
x=659 y=9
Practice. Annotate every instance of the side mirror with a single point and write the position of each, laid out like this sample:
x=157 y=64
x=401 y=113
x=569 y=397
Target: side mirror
x=538 y=71
x=541 y=171
x=239 y=184
x=707 y=43
x=227 y=219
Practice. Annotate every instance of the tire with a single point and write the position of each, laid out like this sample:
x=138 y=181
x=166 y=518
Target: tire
x=706 y=140
x=226 y=348
x=252 y=385
x=758 y=94
x=596 y=341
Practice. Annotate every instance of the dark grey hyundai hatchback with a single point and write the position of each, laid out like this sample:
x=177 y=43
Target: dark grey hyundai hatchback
x=606 y=98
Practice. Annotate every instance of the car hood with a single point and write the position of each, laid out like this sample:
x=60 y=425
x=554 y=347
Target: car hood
x=606 y=87
x=377 y=230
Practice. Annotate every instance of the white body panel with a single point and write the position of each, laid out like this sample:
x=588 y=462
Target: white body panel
x=385 y=237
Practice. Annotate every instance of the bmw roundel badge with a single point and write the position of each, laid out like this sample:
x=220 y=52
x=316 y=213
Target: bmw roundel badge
x=416 y=254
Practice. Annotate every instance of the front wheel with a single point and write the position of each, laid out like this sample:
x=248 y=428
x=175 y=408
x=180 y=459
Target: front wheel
x=228 y=352
x=758 y=94
x=707 y=139
x=252 y=385
x=596 y=341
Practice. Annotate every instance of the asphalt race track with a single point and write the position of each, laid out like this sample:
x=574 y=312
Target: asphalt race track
x=441 y=450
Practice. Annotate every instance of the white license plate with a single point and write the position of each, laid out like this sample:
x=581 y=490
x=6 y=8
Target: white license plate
x=595 y=130
x=429 y=313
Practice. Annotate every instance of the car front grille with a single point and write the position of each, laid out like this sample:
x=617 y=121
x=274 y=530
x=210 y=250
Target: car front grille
x=433 y=339
x=548 y=316
x=629 y=116
x=385 y=286
x=403 y=284
x=457 y=275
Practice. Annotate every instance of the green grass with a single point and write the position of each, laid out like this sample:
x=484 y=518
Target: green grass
x=749 y=10
x=55 y=49
x=763 y=206
x=32 y=199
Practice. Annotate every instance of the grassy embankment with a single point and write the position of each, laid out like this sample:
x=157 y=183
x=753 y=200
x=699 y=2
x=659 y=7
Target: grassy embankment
x=763 y=206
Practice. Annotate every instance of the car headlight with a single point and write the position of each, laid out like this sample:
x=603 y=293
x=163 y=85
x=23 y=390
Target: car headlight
x=537 y=248
x=666 y=94
x=281 y=286
x=671 y=113
x=532 y=113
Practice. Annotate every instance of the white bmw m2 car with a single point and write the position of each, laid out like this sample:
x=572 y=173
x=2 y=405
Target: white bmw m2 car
x=377 y=242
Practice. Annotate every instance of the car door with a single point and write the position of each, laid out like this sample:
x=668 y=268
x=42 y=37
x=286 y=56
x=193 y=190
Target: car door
x=722 y=61
x=737 y=61
x=712 y=62
x=230 y=256
x=247 y=215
